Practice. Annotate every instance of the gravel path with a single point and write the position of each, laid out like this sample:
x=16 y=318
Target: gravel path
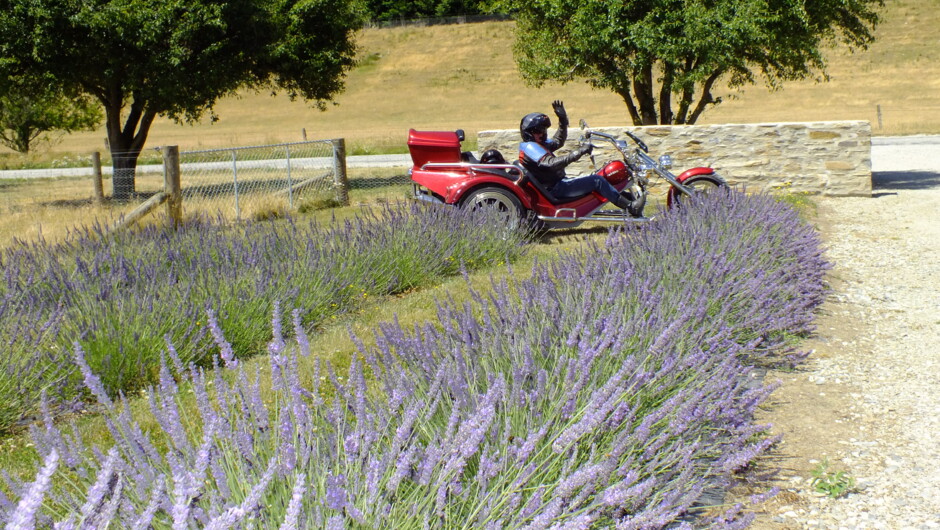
x=868 y=401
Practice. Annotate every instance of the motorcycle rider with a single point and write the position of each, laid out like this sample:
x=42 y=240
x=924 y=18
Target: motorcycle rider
x=536 y=153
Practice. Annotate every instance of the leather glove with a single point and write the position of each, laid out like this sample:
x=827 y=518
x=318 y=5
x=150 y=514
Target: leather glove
x=586 y=148
x=559 y=107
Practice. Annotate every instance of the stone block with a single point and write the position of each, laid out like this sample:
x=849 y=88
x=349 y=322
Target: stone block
x=800 y=157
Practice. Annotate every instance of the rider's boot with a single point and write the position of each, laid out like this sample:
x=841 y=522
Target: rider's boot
x=634 y=207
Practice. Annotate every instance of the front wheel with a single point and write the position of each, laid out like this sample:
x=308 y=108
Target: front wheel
x=699 y=184
x=499 y=202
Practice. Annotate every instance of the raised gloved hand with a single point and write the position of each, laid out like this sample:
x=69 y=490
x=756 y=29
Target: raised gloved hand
x=559 y=107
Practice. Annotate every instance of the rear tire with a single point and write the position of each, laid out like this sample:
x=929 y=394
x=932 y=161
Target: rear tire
x=700 y=184
x=499 y=201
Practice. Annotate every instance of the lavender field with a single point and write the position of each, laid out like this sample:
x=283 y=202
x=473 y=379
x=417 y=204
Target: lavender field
x=612 y=387
x=124 y=298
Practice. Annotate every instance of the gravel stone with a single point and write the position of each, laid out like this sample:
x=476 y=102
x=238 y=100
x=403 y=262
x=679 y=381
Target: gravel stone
x=882 y=364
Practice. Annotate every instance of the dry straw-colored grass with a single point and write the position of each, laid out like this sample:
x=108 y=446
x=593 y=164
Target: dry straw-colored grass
x=463 y=76
x=448 y=77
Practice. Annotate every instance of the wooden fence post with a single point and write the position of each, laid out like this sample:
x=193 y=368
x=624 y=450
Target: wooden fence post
x=172 y=186
x=340 y=180
x=96 y=176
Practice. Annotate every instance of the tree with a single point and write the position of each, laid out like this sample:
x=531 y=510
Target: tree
x=146 y=58
x=30 y=111
x=665 y=57
x=409 y=9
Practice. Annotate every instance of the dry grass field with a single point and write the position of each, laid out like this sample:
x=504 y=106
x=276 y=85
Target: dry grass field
x=463 y=76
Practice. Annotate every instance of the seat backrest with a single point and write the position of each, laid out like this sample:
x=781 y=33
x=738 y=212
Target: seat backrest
x=528 y=177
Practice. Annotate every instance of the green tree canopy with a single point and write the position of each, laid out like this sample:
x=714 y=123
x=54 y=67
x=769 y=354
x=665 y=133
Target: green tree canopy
x=32 y=110
x=409 y=9
x=664 y=57
x=146 y=58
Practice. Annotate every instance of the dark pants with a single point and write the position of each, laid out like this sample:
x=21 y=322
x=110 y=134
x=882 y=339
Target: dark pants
x=579 y=186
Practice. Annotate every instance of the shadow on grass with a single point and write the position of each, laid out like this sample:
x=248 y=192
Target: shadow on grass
x=365 y=183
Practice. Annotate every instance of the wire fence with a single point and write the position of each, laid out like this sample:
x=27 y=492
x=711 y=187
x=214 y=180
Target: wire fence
x=437 y=21
x=258 y=182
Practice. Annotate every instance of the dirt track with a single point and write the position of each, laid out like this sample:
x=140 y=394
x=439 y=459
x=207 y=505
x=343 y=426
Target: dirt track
x=868 y=399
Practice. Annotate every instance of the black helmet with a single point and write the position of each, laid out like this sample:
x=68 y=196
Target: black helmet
x=492 y=156
x=534 y=122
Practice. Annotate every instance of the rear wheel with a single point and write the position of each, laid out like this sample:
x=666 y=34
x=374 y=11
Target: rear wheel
x=499 y=202
x=700 y=185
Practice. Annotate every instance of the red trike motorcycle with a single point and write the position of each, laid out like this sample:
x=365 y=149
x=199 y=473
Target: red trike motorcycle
x=443 y=173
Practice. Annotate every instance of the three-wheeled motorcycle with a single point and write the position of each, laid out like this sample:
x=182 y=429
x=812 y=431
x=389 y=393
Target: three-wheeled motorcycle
x=443 y=173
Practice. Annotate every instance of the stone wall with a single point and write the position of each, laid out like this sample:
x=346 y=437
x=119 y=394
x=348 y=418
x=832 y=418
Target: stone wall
x=818 y=158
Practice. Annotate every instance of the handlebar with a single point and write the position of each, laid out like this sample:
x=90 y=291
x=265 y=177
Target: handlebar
x=632 y=136
x=645 y=161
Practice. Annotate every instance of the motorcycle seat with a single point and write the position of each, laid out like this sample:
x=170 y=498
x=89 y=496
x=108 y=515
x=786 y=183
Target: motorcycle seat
x=527 y=177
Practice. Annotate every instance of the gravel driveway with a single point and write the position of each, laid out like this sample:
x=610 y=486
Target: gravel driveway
x=868 y=400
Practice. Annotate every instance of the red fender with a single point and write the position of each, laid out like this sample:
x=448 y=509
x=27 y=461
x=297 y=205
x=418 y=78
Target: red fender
x=694 y=172
x=686 y=175
x=461 y=188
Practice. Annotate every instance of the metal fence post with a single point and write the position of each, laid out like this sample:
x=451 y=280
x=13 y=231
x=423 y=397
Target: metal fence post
x=290 y=185
x=238 y=214
x=172 y=185
x=340 y=180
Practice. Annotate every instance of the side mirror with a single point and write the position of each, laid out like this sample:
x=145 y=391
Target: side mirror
x=460 y=135
x=583 y=124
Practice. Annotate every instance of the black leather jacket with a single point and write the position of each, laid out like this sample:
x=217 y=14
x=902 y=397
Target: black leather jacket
x=540 y=160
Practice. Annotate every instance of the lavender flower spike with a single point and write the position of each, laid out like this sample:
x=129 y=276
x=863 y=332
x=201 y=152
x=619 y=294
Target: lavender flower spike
x=25 y=513
x=296 y=502
x=102 y=485
x=302 y=340
x=225 y=348
x=236 y=513
x=91 y=380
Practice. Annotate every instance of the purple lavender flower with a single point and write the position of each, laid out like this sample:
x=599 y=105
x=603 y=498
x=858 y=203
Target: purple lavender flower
x=335 y=492
x=336 y=522
x=225 y=348
x=23 y=517
x=156 y=500
x=292 y=518
x=92 y=382
x=276 y=346
x=102 y=487
x=234 y=514
x=301 y=335
x=107 y=513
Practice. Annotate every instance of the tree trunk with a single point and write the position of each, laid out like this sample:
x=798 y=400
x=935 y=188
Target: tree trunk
x=643 y=88
x=126 y=143
x=665 y=97
x=124 y=178
x=706 y=98
x=624 y=92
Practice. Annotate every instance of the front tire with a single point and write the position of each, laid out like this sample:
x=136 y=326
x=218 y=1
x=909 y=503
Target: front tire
x=700 y=184
x=501 y=203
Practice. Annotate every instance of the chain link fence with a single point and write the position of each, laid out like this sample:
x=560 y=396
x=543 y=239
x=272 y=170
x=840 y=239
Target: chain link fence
x=135 y=176
x=378 y=178
x=262 y=181
x=437 y=21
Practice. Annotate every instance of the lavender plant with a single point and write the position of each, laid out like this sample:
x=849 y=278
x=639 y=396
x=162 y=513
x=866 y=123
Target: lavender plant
x=123 y=297
x=545 y=404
